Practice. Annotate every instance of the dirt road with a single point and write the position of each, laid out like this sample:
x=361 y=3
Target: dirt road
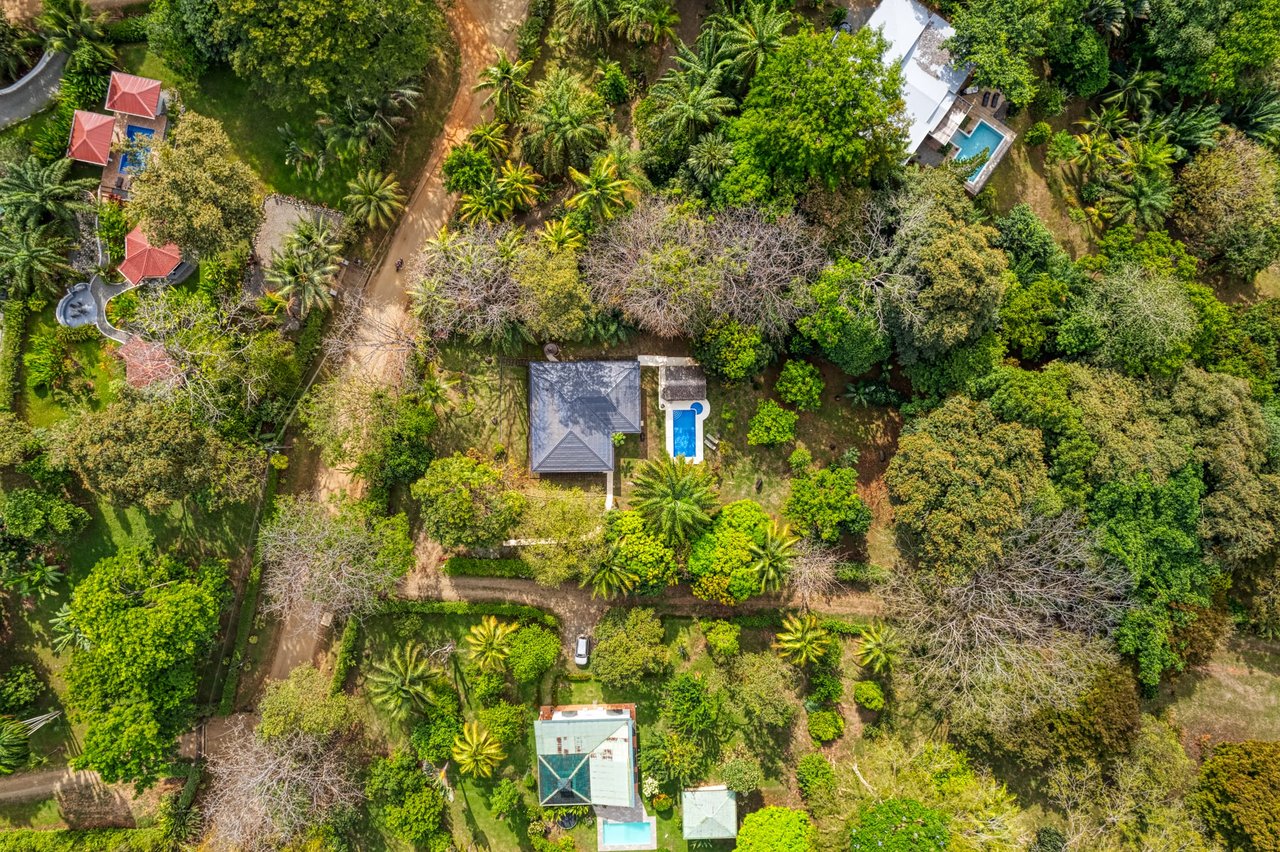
x=480 y=27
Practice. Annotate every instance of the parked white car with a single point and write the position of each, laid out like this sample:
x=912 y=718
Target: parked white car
x=582 y=650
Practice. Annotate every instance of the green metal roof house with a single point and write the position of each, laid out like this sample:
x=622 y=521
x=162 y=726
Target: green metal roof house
x=709 y=813
x=586 y=755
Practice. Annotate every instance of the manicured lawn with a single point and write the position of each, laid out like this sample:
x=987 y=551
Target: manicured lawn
x=93 y=382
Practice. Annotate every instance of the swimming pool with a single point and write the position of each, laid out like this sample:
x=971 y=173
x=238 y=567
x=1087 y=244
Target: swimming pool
x=971 y=144
x=684 y=431
x=627 y=835
x=140 y=141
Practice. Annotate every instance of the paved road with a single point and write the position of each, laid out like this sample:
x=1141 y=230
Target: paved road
x=32 y=93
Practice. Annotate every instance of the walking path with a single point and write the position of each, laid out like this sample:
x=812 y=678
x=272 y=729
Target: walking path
x=33 y=92
x=26 y=786
x=479 y=26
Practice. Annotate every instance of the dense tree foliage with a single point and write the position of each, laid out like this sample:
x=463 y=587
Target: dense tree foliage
x=464 y=502
x=628 y=648
x=961 y=480
x=196 y=192
x=822 y=108
x=147 y=621
x=1238 y=797
x=149 y=454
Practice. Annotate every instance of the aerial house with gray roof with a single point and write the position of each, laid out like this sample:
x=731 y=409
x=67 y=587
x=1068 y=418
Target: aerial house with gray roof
x=575 y=409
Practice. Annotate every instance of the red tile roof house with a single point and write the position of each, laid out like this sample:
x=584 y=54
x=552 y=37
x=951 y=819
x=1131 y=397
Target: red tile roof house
x=119 y=142
x=143 y=261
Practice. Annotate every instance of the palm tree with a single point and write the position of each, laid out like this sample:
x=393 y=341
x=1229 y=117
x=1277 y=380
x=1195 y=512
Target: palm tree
x=771 y=557
x=66 y=24
x=601 y=191
x=487 y=204
x=879 y=649
x=489 y=643
x=490 y=139
x=685 y=106
x=802 y=640
x=15 y=739
x=15 y=745
x=565 y=123
x=1137 y=92
x=309 y=266
x=754 y=34
x=13 y=55
x=586 y=20
x=675 y=498
x=1109 y=121
x=505 y=82
x=611 y=578
x=1149 y=157
x=518 y=185
x=645 y=21
x=477 y=752
x=302 y=154
x=710 y=159
x=1145 y=200
x=66 y=633
x=406 y=683
x=1108 y=17
x=560 y=235
x=374 y=198
x=34 y=194
x=1093 y=153
x=33 y=260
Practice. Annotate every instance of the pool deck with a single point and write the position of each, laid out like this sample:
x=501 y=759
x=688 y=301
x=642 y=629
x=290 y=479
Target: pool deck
x=965 y=114
x=116 y=181
x=652 y=843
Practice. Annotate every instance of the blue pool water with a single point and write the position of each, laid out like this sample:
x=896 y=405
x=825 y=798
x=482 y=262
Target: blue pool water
x=625 y=833
x=140 y=136
x=684 y=431
x=971 y=145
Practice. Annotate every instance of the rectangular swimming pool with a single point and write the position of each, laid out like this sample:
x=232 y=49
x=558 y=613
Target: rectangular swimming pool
x=139 y=138
x=629 y=834
x=971 y=144
x=684 y=432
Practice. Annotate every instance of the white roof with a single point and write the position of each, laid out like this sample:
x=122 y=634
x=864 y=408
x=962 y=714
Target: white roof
x=931 y=81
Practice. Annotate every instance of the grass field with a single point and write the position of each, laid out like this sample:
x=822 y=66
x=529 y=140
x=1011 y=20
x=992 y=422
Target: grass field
x=1235 y=696
x=96 y=374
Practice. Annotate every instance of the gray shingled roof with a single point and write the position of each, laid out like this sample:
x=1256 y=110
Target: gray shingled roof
x=683 y=384
x=575 y=407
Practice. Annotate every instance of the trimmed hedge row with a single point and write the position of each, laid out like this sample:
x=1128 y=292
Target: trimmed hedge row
x=348 y=655
x=520 y=612
x=773 y=619
x=13 y=331
x=469 y=566
x=92 y=840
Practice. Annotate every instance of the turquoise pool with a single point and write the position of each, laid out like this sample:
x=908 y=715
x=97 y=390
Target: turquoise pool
x=684 y=431
x=971 y=144
x=625 y=833
x=141 y=137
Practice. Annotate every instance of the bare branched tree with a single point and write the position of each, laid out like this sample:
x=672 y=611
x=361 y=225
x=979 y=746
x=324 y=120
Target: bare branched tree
x=265 y=794
x=668 y=269
x=761 y=260
x=315 y=558
x=219 y=352
x=1023 y=632
x=376 y=338
x=813 y=572
x=465 y=285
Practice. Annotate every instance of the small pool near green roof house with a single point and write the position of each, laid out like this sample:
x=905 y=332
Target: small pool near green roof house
x=972 y=144
x=620 y=836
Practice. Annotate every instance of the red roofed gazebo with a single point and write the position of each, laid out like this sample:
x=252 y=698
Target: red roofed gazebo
x=91 y=134
x=146 y=363
x=133 y=95
x=143 y=260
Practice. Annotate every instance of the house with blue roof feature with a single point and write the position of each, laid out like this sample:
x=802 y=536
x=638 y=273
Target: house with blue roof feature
x=587 y=756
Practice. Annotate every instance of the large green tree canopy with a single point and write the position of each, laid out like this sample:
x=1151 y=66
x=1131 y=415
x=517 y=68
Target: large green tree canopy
x=326 y=50
x=1213 y=46
x=825 y=109
x=961 y=481
x=146 y=620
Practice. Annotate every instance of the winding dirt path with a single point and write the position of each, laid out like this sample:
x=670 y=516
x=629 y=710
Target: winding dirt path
x=480 y=27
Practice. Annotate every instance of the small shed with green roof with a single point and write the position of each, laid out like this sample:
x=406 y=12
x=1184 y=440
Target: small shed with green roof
x=710 y=813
